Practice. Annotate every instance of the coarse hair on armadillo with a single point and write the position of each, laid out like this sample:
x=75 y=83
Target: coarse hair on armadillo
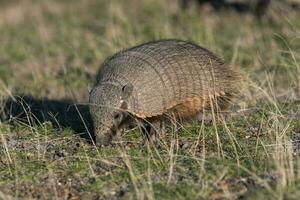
x=170 y=75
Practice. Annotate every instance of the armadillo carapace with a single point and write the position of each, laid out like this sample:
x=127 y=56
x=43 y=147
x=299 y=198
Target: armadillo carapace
x=155 y=79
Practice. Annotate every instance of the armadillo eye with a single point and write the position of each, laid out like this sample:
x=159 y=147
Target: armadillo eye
x=117 y=116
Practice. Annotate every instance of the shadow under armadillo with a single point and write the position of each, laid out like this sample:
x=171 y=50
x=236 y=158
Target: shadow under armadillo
x=64 y=113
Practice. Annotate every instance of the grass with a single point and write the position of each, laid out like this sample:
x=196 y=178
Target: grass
x=49 y=54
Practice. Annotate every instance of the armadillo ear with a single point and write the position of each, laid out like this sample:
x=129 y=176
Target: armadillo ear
x=127 y=90
x=123 y=105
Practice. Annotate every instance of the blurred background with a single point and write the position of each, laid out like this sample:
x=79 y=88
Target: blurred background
x=53 y=48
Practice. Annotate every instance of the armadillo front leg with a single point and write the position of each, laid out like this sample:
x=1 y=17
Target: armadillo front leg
x=153 y=131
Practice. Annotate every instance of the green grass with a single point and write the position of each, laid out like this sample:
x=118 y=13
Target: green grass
x=50 y=52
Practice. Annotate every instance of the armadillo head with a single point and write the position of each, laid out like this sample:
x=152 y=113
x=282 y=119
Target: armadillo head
x=108 y=110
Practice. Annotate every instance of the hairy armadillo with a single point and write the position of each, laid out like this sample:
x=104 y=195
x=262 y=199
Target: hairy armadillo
x=148 y=81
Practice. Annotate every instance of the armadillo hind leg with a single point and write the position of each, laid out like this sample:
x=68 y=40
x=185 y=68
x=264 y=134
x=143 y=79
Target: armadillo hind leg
x=153 y=131
x=217 y=109
x=224 y=102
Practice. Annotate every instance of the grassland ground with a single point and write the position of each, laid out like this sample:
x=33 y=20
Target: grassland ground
x=50 y=52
